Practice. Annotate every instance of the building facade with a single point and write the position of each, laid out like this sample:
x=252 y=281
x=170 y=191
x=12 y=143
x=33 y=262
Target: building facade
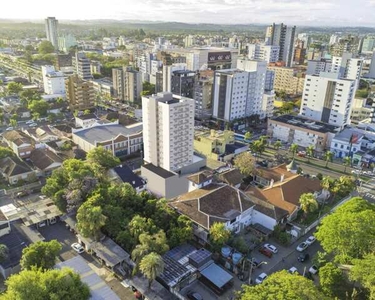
x=82 y=66
x=328 y=99
x=168 y=130
x=269 y=53
x=79 y=93
x=127 y=84
x=51 y=30
x=288 y=80
x=53 y=82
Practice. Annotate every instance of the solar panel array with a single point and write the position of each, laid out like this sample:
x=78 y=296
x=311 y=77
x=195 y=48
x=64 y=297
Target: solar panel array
x=200 y=257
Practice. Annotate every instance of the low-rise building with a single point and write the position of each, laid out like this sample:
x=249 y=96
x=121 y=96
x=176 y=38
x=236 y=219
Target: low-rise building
x=86 y=120
x=124 y=174
x=19 y=142
x=217 y=145
x=302 y=131
x=120 y=140
x=45 y=161
x=14 y=170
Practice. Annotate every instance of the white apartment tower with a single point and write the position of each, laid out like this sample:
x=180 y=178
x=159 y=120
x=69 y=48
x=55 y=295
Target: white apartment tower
x=328 y=99
x=51 y=30
x=315 y=67
x=269 y=53
x=283 y=36
x=168 y=130
x=239 y=93
x=53 y=81
x=347 y=67
x=82 y=66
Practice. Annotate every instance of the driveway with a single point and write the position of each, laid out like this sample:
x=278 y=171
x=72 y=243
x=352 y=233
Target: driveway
x=62 y=234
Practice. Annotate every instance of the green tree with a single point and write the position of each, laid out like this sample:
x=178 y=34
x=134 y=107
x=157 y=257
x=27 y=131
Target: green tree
x=90 y=220
x=327 y=183
x=45 y=47
x=5 y=152
x=349 y=232
x=13 y=123
x=35 y=284
x=245 y=163
x=14 y=88
x=86 y=112
x=277 y=145
x=150 y=243
x=102 y=157
x=40 y=255
x=139 y=225
x=308 y=203
x=346 y=161
x=39 y=106
x=182 y=232
x=219 y=235
x=293 y=148
x=152 y=265
x=283 y=286
x=328 y=157
x=248 y=136
x=258 y=146
x=310 y=151
x=330 y=278
x=343 y=186
x=364 y=271
x=4 y=253
x=320 y=259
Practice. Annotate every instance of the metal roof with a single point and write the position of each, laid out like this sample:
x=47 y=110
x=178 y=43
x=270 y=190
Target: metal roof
x=98 y=288
x=217 y=275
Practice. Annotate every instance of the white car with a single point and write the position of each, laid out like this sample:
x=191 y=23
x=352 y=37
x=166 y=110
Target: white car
x=260 y=278
x=301 y=247
x=78 y=248
x=33 y=125
x=310 y=240
x=293 y=270
x=9 y=129
x=313 y=270
x=30 y=122
x=272 y=248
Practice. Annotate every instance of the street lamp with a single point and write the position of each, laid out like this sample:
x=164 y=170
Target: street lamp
x=251 y=269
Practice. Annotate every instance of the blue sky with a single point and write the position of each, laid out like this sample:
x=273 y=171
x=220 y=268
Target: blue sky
x=298 y=12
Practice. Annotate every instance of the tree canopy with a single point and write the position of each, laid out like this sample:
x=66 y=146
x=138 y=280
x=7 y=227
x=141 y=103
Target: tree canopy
x=364 y=271
x=283 y=286
x=5 y=152
x=14 y=88
x=45 y=47
x=245 y=162
x=330 y=279
x=40 y=255
x=90 y=220
x=103 y=158
x=219 y=235
x=349 y=232
x=49 y=285
x=39 y=106
x=152 y=265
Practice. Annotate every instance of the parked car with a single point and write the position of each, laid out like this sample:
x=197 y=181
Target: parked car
x=78 y=248
x=301 y=153
x=22 y=194
x=293 y=270
x=265 y=252
x=303 y=257
x=270 y=247
x=33 y=125
x=255 y=262
x=194 y=296
x=9 y=129
x=313 y=270
x=301 y=247
x=260 y=278
x=310 y=240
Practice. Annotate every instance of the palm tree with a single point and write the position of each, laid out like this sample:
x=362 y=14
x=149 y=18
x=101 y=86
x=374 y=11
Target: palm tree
x=277 y=145
x=328 y=157
x=151 y=266
x=327 y=183
x=310 y=151
x=293 y=148
x=346 y=161
x=308 y=203
x=247 y=136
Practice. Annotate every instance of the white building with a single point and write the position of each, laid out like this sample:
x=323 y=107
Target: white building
x=315 y=67
x=334 y=39
x=66 y=42
x=347 y=66
x=269 y=53
x=328 y=99
x=167 y=75
x=371 y=73
x=82 y=66
x=53 y=81
x=51 y=30
x=239 y=93
x=168 y=130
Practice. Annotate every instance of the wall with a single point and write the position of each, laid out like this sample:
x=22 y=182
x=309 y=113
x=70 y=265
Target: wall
x=263 y=219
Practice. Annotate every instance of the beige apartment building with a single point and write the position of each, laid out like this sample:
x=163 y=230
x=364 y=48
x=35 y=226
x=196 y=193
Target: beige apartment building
x=79 y=93
x=288 y=80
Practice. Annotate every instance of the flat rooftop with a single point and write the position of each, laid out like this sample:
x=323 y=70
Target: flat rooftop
x=306 y=123
x=159 y=171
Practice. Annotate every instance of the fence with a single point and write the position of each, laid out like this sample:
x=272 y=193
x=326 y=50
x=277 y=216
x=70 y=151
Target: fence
x=25 y=187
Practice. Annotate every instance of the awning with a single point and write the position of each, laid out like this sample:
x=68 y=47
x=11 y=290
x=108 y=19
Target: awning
x=217 y=275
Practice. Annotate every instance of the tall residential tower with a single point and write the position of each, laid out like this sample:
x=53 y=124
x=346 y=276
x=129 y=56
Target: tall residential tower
x=51 y=31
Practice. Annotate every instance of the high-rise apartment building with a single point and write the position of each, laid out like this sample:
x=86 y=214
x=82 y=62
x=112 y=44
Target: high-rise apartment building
x=168 y=130
x=299 y=55
x=79 y=93
x=288 y=80
x=51 y=31
x=127 y=84
x=239 y=93
x=347 y=66
x=66 y=42
x=371 y=73
x=182 y=83
x=53 y=81
x=82 y=66
x=368 y=44
x=328 y=99
x=282 y=36
x=315 y=67
x=269 y=53
x=168 y=71
x=203 y=84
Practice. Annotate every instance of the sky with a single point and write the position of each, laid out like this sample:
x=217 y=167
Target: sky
x=293 y=12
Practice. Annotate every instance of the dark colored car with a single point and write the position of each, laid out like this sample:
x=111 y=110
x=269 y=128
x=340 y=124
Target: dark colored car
x=194 y=296
x=265 y=252
x=255 y=262
x=303 y=257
